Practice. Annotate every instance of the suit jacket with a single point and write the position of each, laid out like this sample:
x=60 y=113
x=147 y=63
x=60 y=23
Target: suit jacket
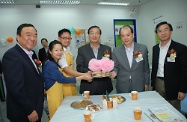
x=34 y=56
x=42 y=55
x=98 y=85
x=175 y=73
x=139 y=71
x=24 y=85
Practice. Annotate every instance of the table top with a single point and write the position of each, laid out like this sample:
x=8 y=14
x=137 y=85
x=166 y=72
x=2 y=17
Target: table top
x=123 y=113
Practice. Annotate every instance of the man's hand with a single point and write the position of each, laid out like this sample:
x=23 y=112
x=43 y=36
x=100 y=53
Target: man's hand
x=146 y=87
x=33 y=117
x=181 y=95
x=88 y=77
x=113 y=74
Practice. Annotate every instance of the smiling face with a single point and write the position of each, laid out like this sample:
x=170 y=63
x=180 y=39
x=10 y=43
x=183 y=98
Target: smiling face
x=56 y=52
x=126 y=36
x=94 y=35
x=65 y=39
x=27 y=38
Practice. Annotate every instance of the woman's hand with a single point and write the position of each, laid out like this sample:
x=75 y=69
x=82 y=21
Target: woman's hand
x=88 y=77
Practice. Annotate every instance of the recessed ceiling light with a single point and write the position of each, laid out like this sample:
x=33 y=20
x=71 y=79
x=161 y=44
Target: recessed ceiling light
x=6 y=1
x=113 y=3
x=56 y=2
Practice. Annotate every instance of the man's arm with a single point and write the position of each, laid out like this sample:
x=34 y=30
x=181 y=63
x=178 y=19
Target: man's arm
x=146 y=69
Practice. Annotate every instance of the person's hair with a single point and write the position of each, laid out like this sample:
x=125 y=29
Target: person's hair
x=51 y=46
x=19 y=29
x=94 y=27
x=163 y=23
x=60 y=32
x=126 y=26
x=43 y=39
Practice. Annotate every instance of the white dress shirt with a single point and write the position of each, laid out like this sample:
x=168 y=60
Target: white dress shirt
x=129 y=53
x=162 y=56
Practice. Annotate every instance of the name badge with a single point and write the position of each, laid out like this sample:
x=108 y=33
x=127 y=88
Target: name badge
x=169 y=59
x=139 y=59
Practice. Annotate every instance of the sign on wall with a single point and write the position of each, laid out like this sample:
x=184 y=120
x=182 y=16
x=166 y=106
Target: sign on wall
x=118 y=23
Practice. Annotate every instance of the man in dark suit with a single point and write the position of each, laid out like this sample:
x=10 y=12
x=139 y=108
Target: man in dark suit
x=43 y=51
x=169 y=66
x=24 y=83
x=94 y=49
x=131 y=64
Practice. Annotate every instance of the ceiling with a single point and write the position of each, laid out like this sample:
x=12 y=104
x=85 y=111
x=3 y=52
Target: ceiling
x=133 y=3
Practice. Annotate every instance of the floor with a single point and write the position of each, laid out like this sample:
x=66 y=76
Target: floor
x=3 y=117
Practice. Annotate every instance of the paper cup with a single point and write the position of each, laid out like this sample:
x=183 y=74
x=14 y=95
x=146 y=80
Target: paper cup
x=88 y=116
x=137 y=113
x=110 y=104
x=86 y=94
x=134 y=95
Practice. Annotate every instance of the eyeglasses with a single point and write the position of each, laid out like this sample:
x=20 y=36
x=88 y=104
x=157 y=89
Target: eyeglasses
x=165 y=30
x=66 y=38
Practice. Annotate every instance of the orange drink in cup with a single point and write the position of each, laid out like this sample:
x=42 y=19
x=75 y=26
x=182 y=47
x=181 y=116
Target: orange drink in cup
x=110 y=104
x=134 y=95
x=137 y=114
x=88 y=116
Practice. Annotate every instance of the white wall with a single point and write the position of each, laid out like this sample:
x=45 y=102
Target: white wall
x=50 y=19
x=172 y=11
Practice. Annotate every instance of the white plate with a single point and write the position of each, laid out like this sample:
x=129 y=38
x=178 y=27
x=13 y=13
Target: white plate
x=93 y=108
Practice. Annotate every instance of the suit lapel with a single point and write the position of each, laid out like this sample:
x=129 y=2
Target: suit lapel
x=172 y=46
x=90 y=51
x=100 y=52
x=136 y=48
x=124 y=57
x=26 y=57
x=156 y=54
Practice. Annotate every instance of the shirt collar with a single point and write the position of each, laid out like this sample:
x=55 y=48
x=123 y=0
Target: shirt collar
x=66 y=49
x=130 y=48
x=166 y=46
x=29 y=53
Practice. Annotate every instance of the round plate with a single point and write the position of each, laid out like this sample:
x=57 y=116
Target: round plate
x=93 y=108
x=120 y=99
x=81 y=104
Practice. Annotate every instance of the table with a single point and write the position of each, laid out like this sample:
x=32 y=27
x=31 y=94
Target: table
x=124 y=112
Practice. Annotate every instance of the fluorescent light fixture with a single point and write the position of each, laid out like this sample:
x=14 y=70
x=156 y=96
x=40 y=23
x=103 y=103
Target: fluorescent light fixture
x=113 y=3
x=6 y=1
x=56 y=2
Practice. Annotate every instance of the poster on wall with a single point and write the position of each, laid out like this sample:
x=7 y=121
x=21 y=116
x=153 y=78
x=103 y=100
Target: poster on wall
x=118 y=23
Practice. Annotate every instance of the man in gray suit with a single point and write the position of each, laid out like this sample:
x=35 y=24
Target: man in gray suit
x=131 y=64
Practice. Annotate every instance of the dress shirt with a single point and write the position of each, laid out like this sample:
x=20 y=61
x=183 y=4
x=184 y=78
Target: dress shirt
x=129 y=52
x=52 y=74
x=162 y=56
x=95 y=51
x=46 y=50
